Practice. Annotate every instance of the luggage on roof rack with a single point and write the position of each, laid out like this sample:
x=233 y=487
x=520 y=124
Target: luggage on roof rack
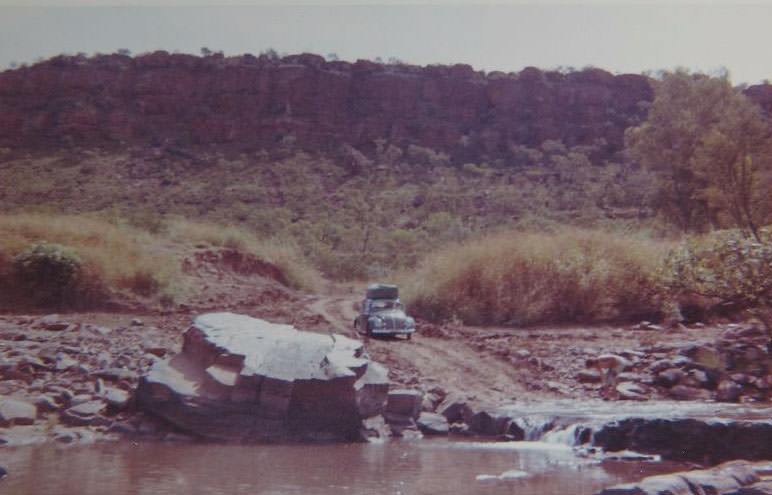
x=382 y=291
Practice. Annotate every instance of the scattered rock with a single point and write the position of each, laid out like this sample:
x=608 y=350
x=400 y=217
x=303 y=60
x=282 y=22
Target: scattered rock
x=53 y=323
x=116 y=398
x=432 y=424
x=458 y=412
x=136 y=322
x=16 y=412
x=668 y=484
x=116 y=374
x=728 y=391
x=46 y=403
x=482 y=423
x=85 y=414
x=64 y=362
x=156 y=351
x=669 y=378
x=631 y=391
x=123 y=428
x=403 y=406
x=558 y=387
x=683 y=392
x=3 y=472
x=588 y=376
x=661 y=365
x=701 y=378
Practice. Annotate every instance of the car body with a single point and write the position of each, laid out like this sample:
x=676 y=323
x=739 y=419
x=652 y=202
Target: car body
x=383 y=313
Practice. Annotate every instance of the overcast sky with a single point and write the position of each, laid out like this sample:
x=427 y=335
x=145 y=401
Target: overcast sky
x=623 y=36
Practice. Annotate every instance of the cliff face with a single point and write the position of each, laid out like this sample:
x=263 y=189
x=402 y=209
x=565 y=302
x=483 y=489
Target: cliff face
x=257 y=102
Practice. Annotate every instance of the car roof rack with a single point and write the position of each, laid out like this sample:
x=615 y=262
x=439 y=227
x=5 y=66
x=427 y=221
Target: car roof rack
x=382 y=291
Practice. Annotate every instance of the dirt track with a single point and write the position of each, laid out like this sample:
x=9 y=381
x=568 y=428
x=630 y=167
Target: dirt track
x=496 y=365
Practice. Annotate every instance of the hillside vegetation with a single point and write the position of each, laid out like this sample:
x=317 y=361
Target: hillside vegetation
x=350 y=215
x=510 y=198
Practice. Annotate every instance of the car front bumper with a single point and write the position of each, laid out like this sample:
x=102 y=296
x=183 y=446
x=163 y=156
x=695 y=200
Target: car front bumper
x=392 y=331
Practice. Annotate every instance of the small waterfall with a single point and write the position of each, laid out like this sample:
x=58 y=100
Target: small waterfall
x=534 y=427
x=569 y=435
x=552 y=430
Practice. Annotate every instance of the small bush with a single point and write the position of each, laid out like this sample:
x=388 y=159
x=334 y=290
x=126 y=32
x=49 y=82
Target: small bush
x=725 y=267
x=48 y=274
x=520 y=278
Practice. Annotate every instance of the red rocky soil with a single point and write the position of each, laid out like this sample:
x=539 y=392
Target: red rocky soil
x=79 y=369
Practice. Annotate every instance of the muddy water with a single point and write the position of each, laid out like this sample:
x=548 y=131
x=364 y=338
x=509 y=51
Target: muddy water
x=396 y=467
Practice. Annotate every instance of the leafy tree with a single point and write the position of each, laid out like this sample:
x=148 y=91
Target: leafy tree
x=733 y=162
x=709 y=144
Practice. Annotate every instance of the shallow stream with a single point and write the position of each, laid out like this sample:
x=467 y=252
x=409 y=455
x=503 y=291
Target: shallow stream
x=548 y=465
x=397 y=467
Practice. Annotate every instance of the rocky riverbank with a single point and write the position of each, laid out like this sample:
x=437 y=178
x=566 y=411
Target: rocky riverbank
x=68 y=381
x=72 y=379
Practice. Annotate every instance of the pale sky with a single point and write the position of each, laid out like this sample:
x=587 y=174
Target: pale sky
x=622 y=36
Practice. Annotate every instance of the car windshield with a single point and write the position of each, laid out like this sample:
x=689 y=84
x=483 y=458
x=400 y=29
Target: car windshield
x=383 y=304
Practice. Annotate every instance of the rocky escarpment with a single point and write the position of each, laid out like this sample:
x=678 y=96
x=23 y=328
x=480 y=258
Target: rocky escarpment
x=243 y=379
x=261 y=102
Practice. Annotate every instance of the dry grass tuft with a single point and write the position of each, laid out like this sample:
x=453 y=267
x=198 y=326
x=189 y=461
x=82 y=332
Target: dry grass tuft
x=518 y=278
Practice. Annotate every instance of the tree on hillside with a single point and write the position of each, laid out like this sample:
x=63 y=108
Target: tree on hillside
x=710 y=146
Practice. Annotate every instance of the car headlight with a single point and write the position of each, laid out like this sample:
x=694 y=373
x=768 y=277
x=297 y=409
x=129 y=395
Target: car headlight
x=377 y=322
x=410 y=323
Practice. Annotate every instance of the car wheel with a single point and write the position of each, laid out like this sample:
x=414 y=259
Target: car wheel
x=409 y=336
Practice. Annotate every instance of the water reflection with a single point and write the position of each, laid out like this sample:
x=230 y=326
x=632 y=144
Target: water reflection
x=418 y=467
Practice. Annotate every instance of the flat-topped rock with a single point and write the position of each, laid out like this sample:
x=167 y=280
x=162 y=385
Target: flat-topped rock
x=731 y=478
x=19 y=412
x=243 y=379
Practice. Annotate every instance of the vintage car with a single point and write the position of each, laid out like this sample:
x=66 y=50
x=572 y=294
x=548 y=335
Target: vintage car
x=383 y=314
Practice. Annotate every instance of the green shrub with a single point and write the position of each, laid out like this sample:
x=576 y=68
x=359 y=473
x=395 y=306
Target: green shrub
x=48 y=274
x=724 y=266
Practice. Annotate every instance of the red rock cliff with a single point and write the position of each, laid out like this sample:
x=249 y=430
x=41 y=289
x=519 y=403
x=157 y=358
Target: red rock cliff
x=257 y=102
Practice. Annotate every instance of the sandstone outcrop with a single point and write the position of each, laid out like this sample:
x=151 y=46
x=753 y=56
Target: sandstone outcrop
x=264 y=102
x=243 y=379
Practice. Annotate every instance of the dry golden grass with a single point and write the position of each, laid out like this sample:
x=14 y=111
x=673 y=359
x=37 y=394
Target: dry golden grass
x=120 y=257
x=518 y=278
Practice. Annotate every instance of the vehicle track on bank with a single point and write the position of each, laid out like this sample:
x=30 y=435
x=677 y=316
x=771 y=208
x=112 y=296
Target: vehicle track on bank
x=450 y=362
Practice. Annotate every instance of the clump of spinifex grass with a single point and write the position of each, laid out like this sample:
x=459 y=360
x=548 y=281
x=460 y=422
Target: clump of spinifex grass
x=109 y=257
x=523 y=278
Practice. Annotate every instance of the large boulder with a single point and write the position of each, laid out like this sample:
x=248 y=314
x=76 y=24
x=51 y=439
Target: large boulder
x=243 y=379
